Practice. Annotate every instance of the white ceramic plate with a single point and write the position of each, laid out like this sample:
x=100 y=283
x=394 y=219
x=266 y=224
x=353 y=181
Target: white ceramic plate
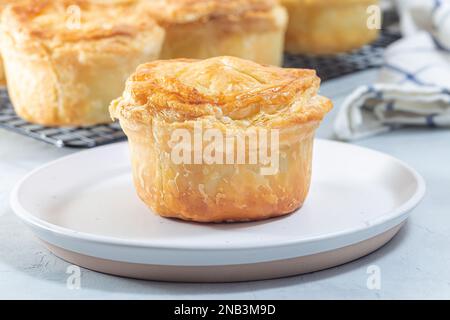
x=85 y=209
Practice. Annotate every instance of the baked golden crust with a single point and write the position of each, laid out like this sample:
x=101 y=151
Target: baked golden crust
x=54 y=23
x=328 y=26
x=218 y=192
x=188 y=11
x=3 y=4
x=200 y=29
x=182 y=89
x=66 y=60
x=235 y=98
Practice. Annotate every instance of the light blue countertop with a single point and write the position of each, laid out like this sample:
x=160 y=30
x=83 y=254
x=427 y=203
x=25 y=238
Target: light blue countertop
x=415 y=264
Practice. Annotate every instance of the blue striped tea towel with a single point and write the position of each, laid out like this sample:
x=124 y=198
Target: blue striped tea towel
x=413 y=87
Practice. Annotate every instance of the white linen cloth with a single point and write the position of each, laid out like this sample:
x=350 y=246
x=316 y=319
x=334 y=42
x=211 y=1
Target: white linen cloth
x=413 y=87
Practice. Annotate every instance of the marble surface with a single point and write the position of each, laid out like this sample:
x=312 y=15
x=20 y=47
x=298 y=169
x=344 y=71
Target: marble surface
x=415 y=264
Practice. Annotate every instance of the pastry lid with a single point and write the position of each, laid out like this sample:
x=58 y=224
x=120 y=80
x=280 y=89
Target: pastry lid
x=75 y=20
x=184 y=89
x=186 y=11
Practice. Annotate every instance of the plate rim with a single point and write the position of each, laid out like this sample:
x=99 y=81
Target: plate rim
x=35 y=222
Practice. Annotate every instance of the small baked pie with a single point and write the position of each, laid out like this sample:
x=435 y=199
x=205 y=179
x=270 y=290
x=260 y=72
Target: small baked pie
x=3 y=4
x=199 y=29
x=328 y=26
x=66 y=60
x=222 y=139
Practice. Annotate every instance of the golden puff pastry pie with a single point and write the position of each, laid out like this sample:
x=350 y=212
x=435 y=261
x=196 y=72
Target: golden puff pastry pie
x=65 y=60
x=328 y=26
x=200 y=29
x=3 y=4
x=222 y=139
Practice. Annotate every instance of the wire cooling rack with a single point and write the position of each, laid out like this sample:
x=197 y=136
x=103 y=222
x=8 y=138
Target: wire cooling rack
x=80 y=137
x=334 y=66
x=328 y=67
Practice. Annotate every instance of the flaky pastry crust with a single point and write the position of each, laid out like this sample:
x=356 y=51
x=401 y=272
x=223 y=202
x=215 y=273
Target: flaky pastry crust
x=65 y=60
x=222 y=87
x=233 y=97
x=199 y=29
x=328 y=26
x=3 y=4
x=188 y=11
x=53 y=23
